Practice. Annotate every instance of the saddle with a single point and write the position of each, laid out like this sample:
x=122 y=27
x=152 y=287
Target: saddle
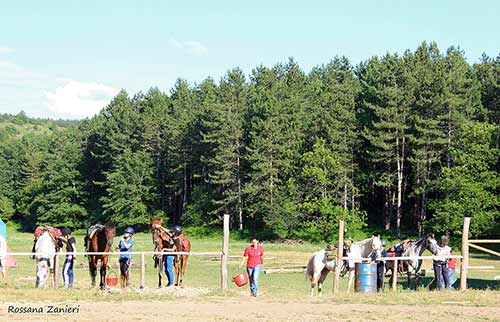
x=54 y=232
x=399 y=248
x=331 y=250
x=90 y=233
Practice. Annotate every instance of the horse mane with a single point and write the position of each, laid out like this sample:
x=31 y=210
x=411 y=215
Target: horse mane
x=365 y=241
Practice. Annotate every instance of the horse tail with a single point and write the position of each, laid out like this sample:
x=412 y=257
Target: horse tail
x=310 y=269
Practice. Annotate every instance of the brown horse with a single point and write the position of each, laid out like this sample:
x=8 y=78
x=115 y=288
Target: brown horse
x=161 y=239
x=182 y=244
x=100 y=240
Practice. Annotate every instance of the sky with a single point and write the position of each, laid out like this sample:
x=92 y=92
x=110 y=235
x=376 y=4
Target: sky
x=67 y=59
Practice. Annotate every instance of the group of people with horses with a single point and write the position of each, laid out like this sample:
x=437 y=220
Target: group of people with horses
x=99 y=239
x=374 y=248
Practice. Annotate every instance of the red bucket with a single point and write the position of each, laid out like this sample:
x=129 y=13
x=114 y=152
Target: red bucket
x=112 y=281
x=241 y=279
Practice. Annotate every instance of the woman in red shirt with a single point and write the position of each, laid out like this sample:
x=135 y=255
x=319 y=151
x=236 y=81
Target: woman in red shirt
x=253 y=254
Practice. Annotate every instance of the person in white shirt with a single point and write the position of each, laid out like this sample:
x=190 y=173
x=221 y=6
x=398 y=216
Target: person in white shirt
x=3 y=258
x=440 y=264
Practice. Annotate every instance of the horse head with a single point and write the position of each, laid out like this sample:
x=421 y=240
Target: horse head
x=110 y=231
x=377 y=246
x=431 y=243
x=45 y=250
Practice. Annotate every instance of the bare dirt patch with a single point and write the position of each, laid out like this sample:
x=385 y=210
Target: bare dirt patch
x=222 y=309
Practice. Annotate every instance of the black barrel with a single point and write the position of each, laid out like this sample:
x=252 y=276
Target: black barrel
x=366 y=278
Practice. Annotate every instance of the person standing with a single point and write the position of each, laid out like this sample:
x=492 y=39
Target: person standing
x=67 y=272
x=3 y=258
x=125 y=246
x=380 y=266
x=440 y=264
x=254 y=256
x=168 y=259
x=452 y=264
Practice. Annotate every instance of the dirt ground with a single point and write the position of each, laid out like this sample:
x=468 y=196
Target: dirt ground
x=221 y=309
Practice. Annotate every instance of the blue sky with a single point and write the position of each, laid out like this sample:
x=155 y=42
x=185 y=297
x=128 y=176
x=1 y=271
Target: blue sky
x=66 y=59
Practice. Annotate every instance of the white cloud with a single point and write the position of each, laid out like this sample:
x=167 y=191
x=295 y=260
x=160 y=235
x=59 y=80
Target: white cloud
x=194 y=48
x=6 y=50
x=79 y=99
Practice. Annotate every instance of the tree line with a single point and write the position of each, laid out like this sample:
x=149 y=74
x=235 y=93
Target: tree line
x=398 y=142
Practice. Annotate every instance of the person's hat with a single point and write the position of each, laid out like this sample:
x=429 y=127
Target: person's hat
x=66 y=231
x=130 y=230
x=177 y=230
x=384 y=243
x=444 y=239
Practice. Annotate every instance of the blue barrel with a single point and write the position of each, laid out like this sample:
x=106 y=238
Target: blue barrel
x=366 y=278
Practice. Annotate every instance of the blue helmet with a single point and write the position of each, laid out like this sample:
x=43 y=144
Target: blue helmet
x=130 y=230
x=177 y=230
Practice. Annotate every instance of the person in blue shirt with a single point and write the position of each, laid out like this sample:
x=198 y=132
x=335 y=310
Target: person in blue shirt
x=125 y=246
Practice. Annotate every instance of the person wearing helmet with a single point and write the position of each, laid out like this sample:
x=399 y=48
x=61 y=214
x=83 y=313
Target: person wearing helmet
x=125 y=246
x=67 y=272
x=177 y=230
x=440 y=264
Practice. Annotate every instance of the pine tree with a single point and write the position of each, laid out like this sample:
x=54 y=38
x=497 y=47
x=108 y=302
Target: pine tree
x=223 y=133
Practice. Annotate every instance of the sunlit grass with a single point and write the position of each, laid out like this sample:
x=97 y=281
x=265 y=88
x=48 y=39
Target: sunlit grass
x=204 y=272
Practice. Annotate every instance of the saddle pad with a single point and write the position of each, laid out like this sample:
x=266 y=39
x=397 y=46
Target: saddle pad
x=54 y=232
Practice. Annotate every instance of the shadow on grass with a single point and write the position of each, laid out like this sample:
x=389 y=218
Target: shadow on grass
x=428 y=283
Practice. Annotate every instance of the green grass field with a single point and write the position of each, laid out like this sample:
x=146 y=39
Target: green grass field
x=204 y=272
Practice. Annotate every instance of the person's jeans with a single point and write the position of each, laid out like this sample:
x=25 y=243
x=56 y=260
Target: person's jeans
x=67 y=272
x=380 y=275
x=451 y=277
x=253 y=275
x=168 y=263
x=442 y=275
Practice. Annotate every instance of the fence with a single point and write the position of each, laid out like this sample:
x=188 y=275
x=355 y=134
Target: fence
x=225 y=248
x=464 y=257
x=223 y=253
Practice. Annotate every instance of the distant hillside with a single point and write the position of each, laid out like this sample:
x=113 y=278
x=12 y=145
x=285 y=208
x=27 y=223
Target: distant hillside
x=20 y=124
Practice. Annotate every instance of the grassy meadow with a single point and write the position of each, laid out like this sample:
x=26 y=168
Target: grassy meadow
x=203 y=272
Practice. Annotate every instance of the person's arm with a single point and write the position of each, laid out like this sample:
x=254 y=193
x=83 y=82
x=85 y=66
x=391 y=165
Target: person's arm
x=73 y=244
x=161 y=227
x=243 y=258
x=262 y=257
x=128 y=244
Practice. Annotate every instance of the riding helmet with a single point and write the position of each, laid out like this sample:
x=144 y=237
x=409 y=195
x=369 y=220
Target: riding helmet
x=130 y=230
x=66 y=231
x=384 y=243
x=177 y=230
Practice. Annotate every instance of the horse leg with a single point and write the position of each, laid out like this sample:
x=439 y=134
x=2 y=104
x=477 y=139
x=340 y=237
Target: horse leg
x=351 y=278
x=322 y=278
x=159 y=264
x=176 y=270
x=183 y=268
x=93 y=269
x=104 y=264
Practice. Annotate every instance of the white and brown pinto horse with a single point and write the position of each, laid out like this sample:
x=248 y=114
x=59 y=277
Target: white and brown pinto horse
x=318 y=266
x=45 y=251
